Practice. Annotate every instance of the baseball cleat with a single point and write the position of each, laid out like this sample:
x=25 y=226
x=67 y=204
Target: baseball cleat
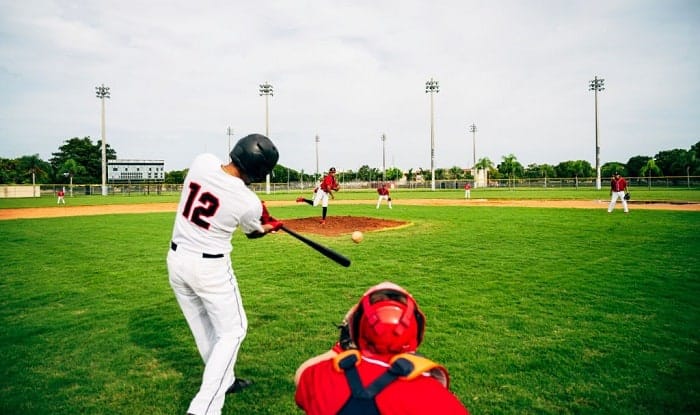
x=300 y=199
x=238 y=385
x=322 y=222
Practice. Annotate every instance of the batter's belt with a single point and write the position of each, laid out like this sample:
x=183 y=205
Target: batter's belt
x=173 y=246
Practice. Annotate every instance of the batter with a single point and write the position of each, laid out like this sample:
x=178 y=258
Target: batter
x=215 y=201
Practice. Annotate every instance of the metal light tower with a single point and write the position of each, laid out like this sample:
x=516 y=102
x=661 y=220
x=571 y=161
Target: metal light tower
x=316 y=176
x=229 y=133
x=432 y=86
x=472 y=129
x=102 y=93
x=266 y=90
x=596 y=85
x=383 y=157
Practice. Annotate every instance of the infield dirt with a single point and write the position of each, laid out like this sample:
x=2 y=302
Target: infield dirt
x=336 y=225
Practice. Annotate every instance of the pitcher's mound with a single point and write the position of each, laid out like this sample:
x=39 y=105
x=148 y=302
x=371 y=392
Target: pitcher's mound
x=340 y=225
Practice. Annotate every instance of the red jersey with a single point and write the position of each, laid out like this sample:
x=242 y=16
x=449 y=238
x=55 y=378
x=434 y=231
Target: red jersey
x=60 y=193
x=323 y=390
x=329 y=183
x=383 y=191
x=618 y=185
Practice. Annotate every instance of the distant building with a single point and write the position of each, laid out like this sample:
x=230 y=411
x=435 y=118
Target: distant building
x=135 y=171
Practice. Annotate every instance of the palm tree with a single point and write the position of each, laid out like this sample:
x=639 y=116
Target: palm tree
x=485 y=164
x=650 y=167
x=510 y=167
x=34 y=168
x=456 y=172
x=71 y=168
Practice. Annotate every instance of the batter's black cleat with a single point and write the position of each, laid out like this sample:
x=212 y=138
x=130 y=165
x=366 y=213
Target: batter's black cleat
x=238 y=385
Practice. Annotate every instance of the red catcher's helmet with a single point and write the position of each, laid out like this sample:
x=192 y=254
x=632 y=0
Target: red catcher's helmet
x=387 y=320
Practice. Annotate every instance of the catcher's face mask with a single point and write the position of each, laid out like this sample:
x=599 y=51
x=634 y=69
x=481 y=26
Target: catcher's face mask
x=387 y=320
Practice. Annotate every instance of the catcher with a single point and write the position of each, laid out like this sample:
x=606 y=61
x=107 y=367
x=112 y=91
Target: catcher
x=328 y=185
x=374 y=368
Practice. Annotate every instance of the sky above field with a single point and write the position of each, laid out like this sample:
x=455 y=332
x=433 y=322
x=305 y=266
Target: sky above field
x=182 y=72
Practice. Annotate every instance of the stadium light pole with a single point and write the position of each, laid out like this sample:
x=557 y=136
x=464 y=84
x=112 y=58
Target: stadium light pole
x=229 y=133
x=316 y=176
x=383 y=157
x=266 y=90
x=596 y=85
x=472 y=129
x=432 y=87
x=102 y=93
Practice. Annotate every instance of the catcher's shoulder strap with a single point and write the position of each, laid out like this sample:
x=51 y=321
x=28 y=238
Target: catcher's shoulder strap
x=420 y=365
x=404 y=366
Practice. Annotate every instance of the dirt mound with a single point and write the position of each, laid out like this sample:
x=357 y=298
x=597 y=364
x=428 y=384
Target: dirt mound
x=340 y=225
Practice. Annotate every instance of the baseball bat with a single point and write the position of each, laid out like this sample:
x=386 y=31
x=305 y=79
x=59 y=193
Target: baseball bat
x=340 y=259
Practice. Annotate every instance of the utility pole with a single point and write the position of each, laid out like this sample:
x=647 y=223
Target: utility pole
x=229 y=133
x=384 y=157
x=472 y=129
x=316 y=177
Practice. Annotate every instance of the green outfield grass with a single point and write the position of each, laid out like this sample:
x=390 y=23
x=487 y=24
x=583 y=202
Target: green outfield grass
x=641 y=194
x=533 y=311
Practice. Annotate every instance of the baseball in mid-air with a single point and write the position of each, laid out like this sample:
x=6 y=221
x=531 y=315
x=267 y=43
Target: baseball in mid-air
x=357 y=237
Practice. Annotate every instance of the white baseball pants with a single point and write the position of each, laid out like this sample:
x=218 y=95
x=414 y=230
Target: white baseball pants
x=321 y=197
x=383 y=197
x=207 y=292
x=613 y=200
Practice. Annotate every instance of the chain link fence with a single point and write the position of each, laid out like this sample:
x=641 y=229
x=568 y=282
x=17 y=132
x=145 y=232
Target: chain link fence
x=155 y=189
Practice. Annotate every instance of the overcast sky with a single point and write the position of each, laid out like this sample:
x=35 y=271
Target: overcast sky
x=182 y=72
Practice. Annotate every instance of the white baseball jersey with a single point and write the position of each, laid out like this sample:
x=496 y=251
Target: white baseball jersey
x=212 y=205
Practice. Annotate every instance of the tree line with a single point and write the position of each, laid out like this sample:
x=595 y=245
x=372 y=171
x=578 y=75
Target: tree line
x=79 y=161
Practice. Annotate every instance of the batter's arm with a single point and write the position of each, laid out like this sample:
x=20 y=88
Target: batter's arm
x=257 y=227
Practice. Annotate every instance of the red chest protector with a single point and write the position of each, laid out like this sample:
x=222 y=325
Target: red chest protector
x=405 y=366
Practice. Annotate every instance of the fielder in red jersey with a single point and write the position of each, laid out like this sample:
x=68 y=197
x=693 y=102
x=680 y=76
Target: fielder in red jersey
x=373 y=369
x=618 y=188
x=328 y=185
x=383 y=193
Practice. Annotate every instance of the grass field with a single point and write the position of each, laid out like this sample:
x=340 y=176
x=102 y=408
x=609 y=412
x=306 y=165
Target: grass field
x=534 y=311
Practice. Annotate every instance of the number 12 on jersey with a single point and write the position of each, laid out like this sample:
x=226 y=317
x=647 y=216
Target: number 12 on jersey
x=207 y=206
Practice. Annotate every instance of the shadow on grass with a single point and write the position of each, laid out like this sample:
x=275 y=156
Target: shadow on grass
x=168 y=340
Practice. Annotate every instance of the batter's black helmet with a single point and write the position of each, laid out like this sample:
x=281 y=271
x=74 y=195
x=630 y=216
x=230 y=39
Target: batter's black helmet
x=255 y=156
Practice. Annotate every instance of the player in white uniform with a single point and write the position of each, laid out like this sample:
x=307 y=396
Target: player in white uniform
x=215 y=201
